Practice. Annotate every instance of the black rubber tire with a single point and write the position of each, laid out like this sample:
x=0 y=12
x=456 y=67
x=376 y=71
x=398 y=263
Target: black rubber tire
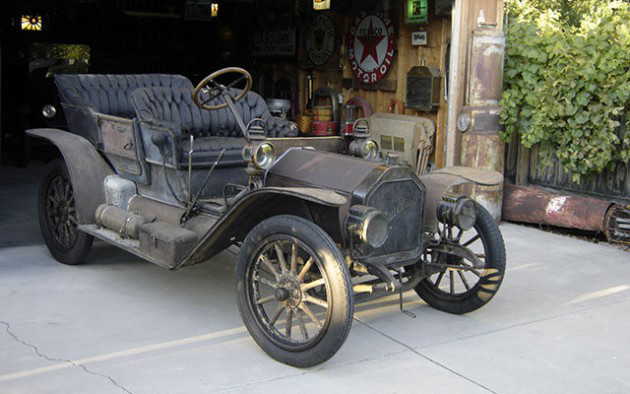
x=491 y=276
x=80 y=244
x=337 y=274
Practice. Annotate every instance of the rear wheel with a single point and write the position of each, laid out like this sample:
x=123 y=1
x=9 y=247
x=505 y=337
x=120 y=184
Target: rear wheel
x=294 y=291
x=460 y=288
x=58 y=216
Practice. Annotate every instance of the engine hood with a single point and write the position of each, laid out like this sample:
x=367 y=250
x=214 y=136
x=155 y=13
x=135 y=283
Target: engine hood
x=312 y=168
x=395 y=191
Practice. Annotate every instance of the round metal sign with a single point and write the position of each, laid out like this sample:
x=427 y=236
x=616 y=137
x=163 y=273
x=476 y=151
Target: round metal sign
x=320 y=39
x=371 y=46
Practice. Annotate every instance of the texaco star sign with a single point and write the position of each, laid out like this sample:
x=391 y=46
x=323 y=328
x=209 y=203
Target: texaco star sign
x=371 y=46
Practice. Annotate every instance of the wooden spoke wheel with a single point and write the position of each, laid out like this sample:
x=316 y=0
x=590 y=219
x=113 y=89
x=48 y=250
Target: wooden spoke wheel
x=58 y=216
x=294 y=290
x=462 y=288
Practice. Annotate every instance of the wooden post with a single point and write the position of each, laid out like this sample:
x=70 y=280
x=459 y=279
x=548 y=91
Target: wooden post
x=522 y=163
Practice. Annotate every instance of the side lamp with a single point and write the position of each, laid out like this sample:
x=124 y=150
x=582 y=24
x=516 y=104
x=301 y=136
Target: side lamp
x=362 y=145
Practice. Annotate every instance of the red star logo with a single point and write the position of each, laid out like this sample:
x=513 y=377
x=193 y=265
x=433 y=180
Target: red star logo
x=370 y=41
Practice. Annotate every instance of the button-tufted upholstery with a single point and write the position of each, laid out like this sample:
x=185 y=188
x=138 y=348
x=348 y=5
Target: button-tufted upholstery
x=109 y=93
x=85 y=95
x=176 y=105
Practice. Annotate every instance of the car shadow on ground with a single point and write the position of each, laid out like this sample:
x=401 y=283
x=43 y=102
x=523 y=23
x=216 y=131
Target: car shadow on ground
x=215 y=279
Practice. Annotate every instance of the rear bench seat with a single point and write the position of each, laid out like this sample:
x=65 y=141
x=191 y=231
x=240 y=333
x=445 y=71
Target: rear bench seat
x=83 y=96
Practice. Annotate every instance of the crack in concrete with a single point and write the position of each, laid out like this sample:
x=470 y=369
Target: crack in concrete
x=526 y=323
x=426 y=357
x=313 y=370
x=410 y=349
x=259 y=382
x=54 y=359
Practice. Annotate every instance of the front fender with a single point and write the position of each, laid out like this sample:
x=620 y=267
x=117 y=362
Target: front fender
x=441 y=181
x=313 y=204
x=86 y=168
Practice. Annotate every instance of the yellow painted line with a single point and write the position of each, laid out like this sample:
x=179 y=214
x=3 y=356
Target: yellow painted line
x=599 y=294
x=522 y=267
x=123 y=353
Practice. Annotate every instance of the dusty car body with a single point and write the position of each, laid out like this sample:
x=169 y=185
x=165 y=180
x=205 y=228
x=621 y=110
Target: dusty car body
x=176 y=175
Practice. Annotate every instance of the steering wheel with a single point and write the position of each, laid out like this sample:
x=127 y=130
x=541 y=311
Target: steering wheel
x=216 y=89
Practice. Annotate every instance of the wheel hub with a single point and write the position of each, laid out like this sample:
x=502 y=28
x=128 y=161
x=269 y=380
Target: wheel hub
x=59 y=211
x=282 y=294
x=288 y=291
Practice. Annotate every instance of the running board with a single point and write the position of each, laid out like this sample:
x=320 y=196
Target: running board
x=129 y=245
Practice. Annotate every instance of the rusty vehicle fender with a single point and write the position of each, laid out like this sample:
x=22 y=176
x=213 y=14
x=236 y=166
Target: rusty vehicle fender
x=318 y=205
x=443 y=180
x=86 y=167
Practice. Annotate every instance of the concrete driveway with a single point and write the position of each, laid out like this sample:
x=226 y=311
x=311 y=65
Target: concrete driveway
x=117 y=324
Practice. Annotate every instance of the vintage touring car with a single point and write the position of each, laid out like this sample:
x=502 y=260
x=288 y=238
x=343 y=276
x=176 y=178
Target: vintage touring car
x=176 y=174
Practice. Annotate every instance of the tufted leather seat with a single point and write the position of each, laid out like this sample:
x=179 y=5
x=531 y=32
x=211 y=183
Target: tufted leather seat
x=83 y=96
x=175 y=105
x=214 y=130
x=109 y=93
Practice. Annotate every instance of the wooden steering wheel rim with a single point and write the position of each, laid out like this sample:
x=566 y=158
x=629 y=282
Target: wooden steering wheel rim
x=196 y=93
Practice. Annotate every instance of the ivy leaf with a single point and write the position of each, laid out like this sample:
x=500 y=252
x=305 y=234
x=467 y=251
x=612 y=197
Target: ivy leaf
x=582 y=98
x=567 y=86
x=581 y=118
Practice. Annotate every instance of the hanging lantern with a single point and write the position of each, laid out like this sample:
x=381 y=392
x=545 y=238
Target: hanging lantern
x=214 y=10
x=321 y=5
x=32 y=22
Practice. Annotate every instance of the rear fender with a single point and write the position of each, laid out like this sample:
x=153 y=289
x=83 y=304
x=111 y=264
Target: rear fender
x=320 y=206
x=86 y=168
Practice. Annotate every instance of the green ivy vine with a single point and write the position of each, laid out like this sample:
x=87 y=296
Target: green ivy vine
x=567 y=81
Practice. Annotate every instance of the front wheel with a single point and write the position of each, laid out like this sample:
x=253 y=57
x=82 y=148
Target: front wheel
x=294 y=291
x=455 y=286
x=58 y=216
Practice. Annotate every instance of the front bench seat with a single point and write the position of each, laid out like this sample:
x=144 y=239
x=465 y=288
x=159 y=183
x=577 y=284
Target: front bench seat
x=83 y=95
x=176 y=106
x=174 y=110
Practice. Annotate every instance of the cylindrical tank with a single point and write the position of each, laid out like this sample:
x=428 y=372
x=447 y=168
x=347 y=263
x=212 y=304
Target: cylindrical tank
x=349 y=117
x=482 y=147
x=121 y=221
x=486 y=67
x=485 y=151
